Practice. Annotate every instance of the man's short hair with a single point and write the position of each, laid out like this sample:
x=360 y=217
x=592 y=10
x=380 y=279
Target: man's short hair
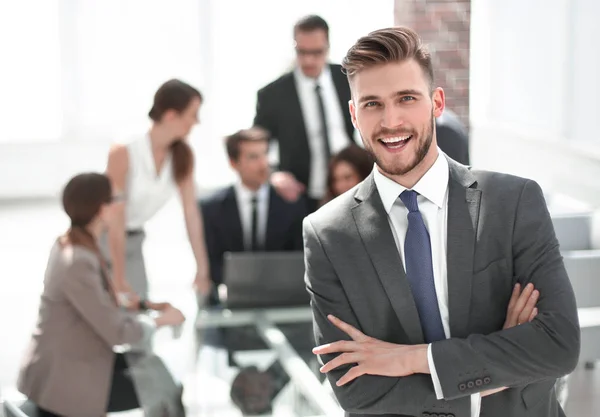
x=383 y=46
x=311 y=23
x=253 y=134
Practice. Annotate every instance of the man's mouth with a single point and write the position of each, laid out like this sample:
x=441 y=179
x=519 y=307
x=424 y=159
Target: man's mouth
x=396 y=142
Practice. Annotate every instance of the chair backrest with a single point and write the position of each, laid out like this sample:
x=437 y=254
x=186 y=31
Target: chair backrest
x=573 y=231
x=583 y=268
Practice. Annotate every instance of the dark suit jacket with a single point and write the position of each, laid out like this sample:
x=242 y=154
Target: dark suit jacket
x=223 y=227
x=499 y=232
x=452 y=137
x=278 y=110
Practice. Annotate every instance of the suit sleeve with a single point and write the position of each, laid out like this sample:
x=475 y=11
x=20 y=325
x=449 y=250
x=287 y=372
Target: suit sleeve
x=264 y=115
x=213 y=247
x=547 y=347
x=368 y=394
x=267 y=119
x=83 y=289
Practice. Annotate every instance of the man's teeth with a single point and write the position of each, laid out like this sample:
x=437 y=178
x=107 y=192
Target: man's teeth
x=396 y=139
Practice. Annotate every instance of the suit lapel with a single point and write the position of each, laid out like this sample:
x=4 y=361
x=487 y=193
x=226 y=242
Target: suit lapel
x=374 y=229
x=231 y=215
x=463 y=218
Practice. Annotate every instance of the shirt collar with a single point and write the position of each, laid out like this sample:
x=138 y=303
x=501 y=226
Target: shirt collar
x=322 y=79
x=432 y=185
x=245 y=194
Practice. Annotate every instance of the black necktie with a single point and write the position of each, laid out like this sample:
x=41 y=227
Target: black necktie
x=324 y=128
x=254 y=230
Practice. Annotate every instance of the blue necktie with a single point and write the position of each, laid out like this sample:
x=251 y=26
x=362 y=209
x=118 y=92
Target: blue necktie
x=419 y=270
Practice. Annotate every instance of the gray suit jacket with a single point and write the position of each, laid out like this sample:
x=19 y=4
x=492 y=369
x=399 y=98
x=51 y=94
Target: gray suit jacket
x=499 y=232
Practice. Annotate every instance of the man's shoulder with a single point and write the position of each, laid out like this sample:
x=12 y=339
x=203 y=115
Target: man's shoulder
x=335 y=214
x=502 y=185
x=216 y=197
x=277 y=84
x=487 y=179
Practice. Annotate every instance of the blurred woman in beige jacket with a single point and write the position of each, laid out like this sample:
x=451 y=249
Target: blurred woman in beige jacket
x=70 y=368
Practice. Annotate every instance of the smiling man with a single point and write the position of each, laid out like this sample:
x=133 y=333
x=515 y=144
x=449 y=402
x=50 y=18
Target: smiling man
x=415 y=314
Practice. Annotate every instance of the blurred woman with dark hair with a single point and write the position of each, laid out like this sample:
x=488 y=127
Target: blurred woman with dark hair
x=148 y=171
x=347 y=168
x=70 y=368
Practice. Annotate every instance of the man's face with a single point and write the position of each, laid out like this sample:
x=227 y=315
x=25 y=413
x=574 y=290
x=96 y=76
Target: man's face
x=312 y=49
x=394 y=111
x=252 y=164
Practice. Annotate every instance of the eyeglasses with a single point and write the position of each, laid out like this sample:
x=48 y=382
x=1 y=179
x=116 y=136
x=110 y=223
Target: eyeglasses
x=311 y=52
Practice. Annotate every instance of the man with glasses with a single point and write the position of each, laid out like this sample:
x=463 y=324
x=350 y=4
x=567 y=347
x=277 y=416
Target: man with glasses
x=305 y=110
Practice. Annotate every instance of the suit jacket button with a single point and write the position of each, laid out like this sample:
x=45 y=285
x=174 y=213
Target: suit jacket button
x=470 y=384
x=462 y=387
x=487 y=380
x=479 y=382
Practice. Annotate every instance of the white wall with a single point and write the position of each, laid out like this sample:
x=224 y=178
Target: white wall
x=534 y=87
x=104 y=60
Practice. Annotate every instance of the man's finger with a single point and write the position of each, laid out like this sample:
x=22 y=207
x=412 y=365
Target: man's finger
x=336 y=347
x=351 y=375
x=528 y=308
x=343 y=359
x=520 y=304
x=534 y=313
x=514 y=296
x=351 y=331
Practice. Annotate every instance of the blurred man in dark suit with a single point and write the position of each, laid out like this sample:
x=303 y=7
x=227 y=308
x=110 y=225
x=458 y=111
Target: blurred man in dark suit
x=306 y=112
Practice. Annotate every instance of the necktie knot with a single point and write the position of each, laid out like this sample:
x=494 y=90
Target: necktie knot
x=409 y=198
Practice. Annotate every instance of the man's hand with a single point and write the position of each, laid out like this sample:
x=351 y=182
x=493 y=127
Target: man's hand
x=521 y=309
x=371 y=356
x=287 y=186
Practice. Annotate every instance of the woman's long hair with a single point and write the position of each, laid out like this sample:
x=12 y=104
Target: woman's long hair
x=176 y=95
x=82 y=198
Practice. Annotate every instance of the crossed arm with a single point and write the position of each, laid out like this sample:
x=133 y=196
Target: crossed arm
x=393 y=378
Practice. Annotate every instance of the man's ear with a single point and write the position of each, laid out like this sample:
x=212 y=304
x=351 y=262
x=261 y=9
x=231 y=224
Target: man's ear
x=352 y=110
x=439 y=101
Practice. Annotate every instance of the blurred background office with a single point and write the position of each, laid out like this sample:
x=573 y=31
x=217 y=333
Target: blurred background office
x=521 y=80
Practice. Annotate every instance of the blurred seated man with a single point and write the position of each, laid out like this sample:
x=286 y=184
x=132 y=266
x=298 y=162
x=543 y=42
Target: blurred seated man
x=452 y=137
x=251 y=216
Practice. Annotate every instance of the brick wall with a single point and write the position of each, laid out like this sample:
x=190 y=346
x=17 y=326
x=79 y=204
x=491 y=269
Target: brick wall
x=445 y=26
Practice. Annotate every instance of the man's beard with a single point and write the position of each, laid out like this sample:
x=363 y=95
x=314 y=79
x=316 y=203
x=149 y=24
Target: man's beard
x=422 y=150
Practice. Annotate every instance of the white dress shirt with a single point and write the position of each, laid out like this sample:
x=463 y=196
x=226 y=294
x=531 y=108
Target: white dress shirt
x=433 y=205
x=243 y=197
x=338 y=138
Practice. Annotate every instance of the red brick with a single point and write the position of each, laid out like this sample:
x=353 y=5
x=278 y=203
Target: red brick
x=445 y=26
